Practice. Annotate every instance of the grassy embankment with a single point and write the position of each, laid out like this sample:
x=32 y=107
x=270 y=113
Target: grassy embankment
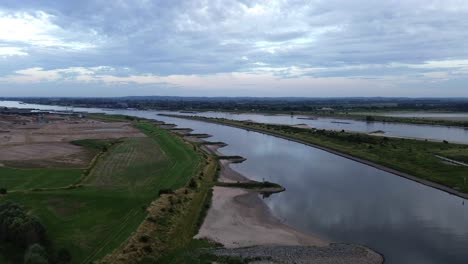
x=98 y=208
x=365 y=116
x=414 y=157
x=406 y=120
x=166 y=235
x=378 y=117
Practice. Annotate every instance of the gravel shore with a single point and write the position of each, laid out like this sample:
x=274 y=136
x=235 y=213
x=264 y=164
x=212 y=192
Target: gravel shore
x=333 y=254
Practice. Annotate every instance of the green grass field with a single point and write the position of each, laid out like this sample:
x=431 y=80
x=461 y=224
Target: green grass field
x=138 y=157
x=92 y=220
x=25 y=179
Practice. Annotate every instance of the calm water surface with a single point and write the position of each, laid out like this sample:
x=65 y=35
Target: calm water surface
x=350 y=202
x=429 y=115
x=439 y=133
x=343 y=200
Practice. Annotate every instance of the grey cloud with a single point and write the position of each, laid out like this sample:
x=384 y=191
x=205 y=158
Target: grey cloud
x=210 y=37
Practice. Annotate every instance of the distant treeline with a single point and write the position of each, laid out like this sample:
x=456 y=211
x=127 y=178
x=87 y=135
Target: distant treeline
x=285 y=104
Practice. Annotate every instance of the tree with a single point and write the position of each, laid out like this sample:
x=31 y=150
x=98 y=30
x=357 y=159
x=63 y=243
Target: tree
x=3 y=191
x=17 y=226
x=63 y=256
x=35 y=254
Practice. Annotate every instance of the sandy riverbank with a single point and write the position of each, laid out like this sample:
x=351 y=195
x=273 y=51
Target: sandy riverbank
x=244 y=225
x=239 y=220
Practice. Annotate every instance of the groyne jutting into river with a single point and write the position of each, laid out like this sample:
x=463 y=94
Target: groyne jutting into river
x=342 y=200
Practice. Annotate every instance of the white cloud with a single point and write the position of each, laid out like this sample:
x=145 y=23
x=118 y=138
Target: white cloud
x=12 y=51
x=260 y=81
x=38 y=74
x=37 y=29
x=255 y=44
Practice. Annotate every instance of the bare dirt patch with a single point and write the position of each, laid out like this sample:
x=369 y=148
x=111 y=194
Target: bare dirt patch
x=53 y=128
x=43 y=140
x=39 y=151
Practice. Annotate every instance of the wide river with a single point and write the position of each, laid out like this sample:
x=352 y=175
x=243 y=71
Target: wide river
x=438 y=133
x=340 y=199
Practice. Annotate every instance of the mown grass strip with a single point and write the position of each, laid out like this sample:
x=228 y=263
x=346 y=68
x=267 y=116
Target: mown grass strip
x=93 y=220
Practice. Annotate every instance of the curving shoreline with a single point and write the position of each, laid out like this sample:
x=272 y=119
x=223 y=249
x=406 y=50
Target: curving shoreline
x=347 y=156
x=240 y=220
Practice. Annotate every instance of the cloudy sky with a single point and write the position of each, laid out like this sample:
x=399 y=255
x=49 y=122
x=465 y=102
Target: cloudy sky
x=234 y=48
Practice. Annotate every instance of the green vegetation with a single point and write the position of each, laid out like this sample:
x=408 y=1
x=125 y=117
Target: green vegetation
x=14 y=179
x=250 y=185
x=99 y=213
x=458 y=154
x=129 y=164
x=36 y=254
x=95 y=144
x=265 y=104
x=415 y=157
x=369 y=117
x=112 y=118
x=172 y=221
x=21 y=230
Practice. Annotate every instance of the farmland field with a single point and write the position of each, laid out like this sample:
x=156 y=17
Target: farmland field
x=23 y=179
x=92 y=218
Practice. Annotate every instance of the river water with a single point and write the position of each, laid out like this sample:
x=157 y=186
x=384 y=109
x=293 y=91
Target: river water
x=433 y=115
x=438 y=133
x=343 y=200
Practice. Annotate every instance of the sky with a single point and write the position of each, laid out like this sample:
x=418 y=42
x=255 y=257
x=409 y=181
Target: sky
x=314 y=48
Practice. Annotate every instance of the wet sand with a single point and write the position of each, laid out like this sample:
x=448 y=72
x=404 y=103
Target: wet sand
x=239 y=218
x=240 y=221
x=244 y=225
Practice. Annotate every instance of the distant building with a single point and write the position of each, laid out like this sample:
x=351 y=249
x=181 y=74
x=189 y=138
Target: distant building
x=122 y=105
x=326 y=109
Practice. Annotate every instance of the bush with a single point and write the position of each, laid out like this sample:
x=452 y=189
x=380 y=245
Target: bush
x=35 y=254
x=165 y=191
x=63 y=256
x=3 y=191
x=193 y=184
x=20 y=228
x=144 y=239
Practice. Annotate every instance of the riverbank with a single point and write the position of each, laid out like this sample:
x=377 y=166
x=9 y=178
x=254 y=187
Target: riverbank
x=374 y=115
x=239 y=220
x=408 y=158
x=174 y=217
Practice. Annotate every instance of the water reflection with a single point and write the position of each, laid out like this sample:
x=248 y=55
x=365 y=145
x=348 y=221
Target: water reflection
x=346 y=201
x=453 y=134
x=350 y=202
